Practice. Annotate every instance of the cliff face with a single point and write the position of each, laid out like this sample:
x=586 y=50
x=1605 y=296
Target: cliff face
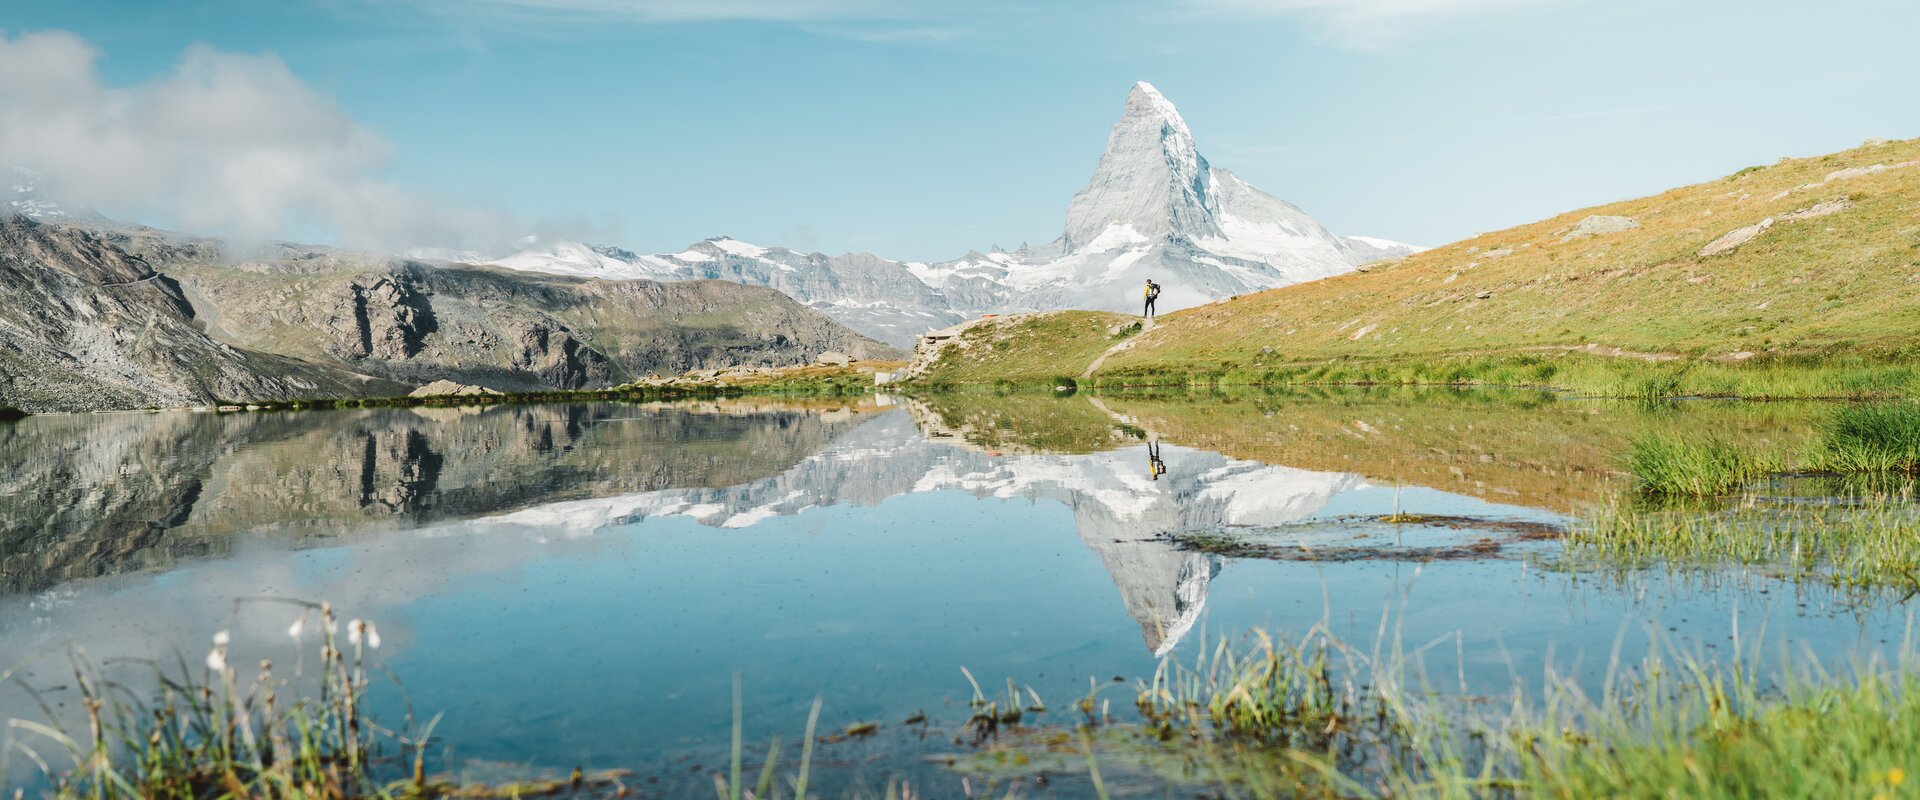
x=87 y=325
x=134 y=318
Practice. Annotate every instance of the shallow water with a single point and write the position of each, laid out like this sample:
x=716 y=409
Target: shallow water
x=576 y=584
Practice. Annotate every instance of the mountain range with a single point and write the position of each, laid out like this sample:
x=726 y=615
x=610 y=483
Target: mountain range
x=102 y=316
x=1154 y=208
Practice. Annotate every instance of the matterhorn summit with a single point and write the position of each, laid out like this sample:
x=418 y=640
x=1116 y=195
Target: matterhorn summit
x=1151 y=182
x=1154 y=208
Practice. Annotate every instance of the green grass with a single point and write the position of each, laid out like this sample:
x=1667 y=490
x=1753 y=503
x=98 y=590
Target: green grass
x=1667 y=726
x=1856 y=440
x=1865 y=439
x=1868 y=544
x=1029 y=350
x=214 y=733
x=1722 y=736
x=1698 y=466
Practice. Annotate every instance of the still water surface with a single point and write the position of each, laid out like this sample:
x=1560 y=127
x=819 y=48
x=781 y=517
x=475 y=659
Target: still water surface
x=576 y=584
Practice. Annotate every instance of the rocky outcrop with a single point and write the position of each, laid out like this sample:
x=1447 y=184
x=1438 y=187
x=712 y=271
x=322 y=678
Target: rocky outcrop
x=1732 y=240
x=87 y=325
x=1598 y=225
x=446 y=388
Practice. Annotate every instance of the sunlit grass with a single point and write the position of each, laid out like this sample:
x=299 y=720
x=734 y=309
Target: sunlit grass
x=1878 y=438
x=1668 y=725
x=210 y=731
x=1695 y=465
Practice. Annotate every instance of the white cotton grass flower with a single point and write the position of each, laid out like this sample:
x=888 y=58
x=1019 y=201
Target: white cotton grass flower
x=217 y=659
x=221 y=637
x=298 y=627
x=359 y=631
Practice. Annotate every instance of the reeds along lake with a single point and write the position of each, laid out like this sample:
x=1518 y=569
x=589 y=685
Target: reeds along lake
x=577 y=585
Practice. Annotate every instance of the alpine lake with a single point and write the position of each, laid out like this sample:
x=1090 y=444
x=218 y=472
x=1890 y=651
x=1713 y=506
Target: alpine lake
x=585 y=585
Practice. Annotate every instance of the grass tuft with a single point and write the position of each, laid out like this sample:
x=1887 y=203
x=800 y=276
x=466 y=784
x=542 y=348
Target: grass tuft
x=1694 y=466
x=1877 y=438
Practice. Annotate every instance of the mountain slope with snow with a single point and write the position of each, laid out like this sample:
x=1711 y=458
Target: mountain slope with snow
x=1154 y=207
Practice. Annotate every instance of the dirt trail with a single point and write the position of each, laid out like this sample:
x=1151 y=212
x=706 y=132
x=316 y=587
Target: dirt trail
x=132 y=282
x=1145 y=325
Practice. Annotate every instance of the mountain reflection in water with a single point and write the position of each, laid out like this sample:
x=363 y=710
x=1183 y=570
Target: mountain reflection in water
x=91 y=496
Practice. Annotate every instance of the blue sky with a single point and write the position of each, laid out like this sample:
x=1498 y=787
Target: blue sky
x=921 y=129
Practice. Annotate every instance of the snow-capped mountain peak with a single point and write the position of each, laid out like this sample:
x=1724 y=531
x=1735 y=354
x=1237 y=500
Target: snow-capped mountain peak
x=1151 y=178
x=1154 y=207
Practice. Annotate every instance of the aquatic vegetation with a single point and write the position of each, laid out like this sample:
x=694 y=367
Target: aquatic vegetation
x=1695 y=731
x=217 y=734
x=1669 y=725
x=1695 y=465
x=1870 y=544
x=1873 y=438
x=1268 y=690
x=731 y=785
x=1864 y=439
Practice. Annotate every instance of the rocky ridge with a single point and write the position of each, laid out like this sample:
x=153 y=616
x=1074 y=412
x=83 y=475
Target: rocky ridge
x=121 y=317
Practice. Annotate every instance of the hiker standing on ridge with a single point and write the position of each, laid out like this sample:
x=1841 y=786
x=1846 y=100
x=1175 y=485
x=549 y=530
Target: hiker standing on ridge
x=1153 y=293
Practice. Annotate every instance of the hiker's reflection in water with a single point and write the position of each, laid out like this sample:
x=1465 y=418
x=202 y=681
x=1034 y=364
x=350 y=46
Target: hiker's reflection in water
x=1155 y=467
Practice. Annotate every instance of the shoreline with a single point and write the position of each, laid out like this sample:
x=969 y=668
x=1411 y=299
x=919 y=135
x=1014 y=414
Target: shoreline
x=804 y=381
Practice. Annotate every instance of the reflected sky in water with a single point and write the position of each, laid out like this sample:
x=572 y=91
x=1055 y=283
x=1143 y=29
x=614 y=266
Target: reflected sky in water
x=576 y=584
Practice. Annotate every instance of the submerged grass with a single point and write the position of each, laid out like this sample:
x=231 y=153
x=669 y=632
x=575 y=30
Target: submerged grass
x=1868 y=544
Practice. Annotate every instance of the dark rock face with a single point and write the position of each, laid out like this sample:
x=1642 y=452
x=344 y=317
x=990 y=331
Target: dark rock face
x=391 y=319
x=132 y=318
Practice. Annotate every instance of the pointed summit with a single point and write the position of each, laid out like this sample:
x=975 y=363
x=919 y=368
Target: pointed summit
x=1144 y=100
x=1151 y=181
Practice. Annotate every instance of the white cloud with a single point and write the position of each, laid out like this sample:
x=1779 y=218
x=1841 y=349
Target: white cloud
x=223 y=143
x=1370 y=23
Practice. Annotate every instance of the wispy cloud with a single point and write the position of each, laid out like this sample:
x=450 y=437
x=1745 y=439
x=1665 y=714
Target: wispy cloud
x=222 y=143
x=685 y=10
x=1371 y=24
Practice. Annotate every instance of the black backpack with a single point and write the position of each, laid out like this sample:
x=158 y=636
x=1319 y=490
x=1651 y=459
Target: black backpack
x=1153 y=290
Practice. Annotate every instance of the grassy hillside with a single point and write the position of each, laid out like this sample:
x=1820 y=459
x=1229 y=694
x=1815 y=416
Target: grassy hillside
x=1821 y=301
x=1030 y=349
